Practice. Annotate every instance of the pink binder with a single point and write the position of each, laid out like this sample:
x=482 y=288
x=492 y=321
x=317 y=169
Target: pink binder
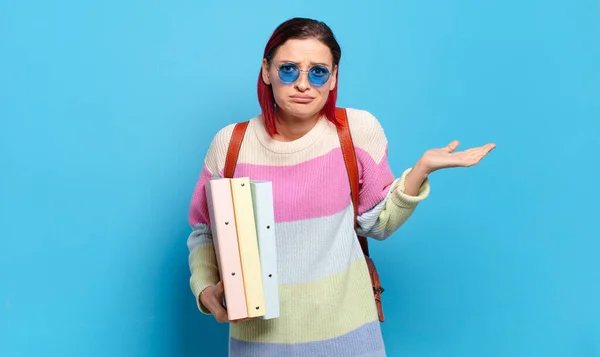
x=225 y=241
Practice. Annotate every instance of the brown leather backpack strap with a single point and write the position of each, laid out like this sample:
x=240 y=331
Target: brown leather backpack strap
x=349 y=154
x=233 y=151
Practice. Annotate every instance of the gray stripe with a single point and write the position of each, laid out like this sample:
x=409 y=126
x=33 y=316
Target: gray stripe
x=368 y=221
x=313 y=249
x=366 y=341
x=307 y=250
x=200 y=235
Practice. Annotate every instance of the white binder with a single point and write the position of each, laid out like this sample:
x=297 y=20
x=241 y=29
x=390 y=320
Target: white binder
x=262 y=200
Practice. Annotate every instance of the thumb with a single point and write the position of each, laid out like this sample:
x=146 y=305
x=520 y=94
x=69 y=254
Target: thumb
x=452 y=146
x=220 y=290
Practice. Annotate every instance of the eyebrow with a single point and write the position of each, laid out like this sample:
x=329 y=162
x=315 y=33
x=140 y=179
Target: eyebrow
x=312 y=63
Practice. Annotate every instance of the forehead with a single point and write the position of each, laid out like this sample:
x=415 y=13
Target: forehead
x=304 y=51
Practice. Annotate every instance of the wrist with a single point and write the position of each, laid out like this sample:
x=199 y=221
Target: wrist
x=420 y=170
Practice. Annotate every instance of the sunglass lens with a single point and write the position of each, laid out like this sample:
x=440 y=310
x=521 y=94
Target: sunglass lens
x=318 y=75
x=288 y=73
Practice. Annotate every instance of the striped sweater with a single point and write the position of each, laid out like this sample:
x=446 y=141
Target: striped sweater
x=327 y=305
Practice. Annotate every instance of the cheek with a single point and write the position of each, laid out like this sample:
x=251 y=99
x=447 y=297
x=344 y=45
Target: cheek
x=323 y=93
x=278 y=89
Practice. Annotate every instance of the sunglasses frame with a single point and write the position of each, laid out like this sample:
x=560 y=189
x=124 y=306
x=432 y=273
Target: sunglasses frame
x=300 y=71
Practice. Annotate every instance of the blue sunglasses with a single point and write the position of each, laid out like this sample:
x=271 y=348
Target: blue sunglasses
x=318 y=75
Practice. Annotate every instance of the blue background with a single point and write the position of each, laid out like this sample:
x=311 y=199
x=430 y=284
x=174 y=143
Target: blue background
x=108 y=107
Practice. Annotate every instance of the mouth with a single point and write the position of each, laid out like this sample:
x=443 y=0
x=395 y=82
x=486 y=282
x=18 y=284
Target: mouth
x=301 y=98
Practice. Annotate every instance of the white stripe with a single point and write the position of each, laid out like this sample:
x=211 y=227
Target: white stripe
x=368 y=222
x=313 y=249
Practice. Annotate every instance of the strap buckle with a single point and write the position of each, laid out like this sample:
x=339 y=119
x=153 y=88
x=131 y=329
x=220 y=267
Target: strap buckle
x=379 y=290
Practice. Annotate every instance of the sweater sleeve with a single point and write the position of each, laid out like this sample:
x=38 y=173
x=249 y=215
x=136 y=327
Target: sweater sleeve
x=202 y=260
x=383 y=205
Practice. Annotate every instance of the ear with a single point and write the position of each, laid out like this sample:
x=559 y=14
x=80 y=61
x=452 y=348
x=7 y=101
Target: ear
x=265 y=72
x=333 y=80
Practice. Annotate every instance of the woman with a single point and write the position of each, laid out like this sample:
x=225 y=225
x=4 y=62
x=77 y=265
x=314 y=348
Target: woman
x=327 y=304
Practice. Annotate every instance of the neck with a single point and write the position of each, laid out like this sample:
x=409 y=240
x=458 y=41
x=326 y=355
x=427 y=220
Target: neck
x=291 y=128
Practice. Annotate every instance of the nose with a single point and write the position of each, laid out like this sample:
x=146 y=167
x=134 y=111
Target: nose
x=302 y=83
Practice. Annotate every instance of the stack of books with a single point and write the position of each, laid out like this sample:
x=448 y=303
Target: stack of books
x=243 y=228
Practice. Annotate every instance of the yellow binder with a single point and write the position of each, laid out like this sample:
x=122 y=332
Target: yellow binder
x=248 y=246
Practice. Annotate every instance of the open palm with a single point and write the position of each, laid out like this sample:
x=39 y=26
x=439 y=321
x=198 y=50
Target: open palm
x=440 y=158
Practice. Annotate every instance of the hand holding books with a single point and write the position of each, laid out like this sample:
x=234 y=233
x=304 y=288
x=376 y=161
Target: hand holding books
x=212 y=298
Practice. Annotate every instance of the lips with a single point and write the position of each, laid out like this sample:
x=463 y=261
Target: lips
x=301 y=98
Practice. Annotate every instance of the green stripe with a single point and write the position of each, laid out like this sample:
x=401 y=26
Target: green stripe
x=316 y=311
x=204 y=271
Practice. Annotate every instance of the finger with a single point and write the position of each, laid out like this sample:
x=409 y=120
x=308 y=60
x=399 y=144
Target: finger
x=218 y=311
x=212 y=298
x=452 y=146
x=219 y=291
x=474 y=156
x=221 y=315
x=476 y=151
x=483 y=150
x=471 y=156
x=487 y=147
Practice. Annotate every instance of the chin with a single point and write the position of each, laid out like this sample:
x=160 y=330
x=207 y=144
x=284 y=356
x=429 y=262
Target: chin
x=304 y=110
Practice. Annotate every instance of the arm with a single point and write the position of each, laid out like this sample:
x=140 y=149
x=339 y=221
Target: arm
x=396 y=206
x=202 y=260
x=415 y=179
x=204 y=271
x=385 y=202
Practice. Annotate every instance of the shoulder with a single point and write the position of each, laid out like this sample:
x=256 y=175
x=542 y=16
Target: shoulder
x=364 y=126
x=217 y=150
x=367 y=133
x=221 y=139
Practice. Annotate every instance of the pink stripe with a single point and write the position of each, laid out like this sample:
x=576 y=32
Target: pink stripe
x=198 y=213
x=319 y=187
x=375 y=180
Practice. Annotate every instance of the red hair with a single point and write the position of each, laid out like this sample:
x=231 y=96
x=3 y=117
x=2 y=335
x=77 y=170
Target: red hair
x=297 y=28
